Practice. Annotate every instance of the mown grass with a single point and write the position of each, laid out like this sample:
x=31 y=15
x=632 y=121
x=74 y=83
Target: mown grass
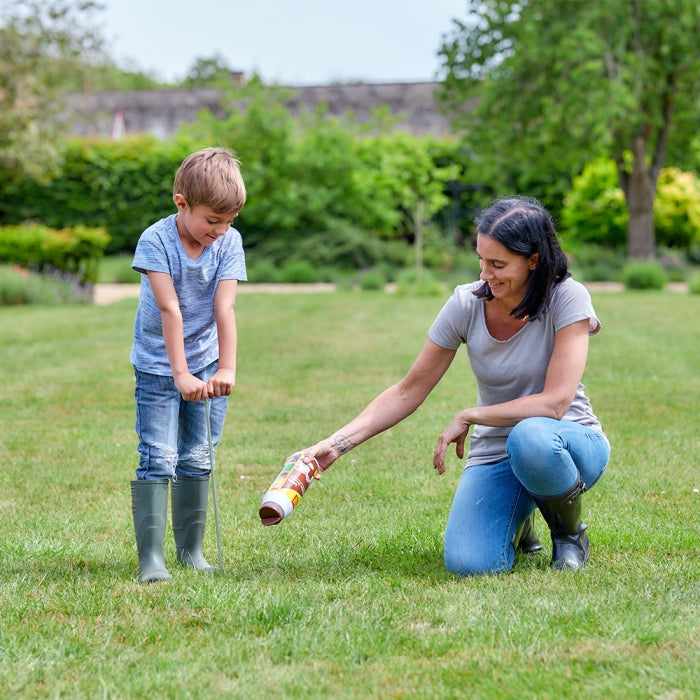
x=348 y=598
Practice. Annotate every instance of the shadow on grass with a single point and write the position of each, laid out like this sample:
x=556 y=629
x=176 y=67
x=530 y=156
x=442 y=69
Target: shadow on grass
x=273 y=554
x=333 y=561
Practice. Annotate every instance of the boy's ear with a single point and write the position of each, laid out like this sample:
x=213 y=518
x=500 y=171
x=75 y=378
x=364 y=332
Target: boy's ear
x=180 y=201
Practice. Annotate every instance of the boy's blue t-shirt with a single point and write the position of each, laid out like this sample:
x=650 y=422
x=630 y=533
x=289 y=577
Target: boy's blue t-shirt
x=160 y=250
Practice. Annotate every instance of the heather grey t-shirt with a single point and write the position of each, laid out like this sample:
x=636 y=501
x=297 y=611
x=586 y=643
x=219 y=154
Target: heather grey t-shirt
x=160 y=250
x=508 y=369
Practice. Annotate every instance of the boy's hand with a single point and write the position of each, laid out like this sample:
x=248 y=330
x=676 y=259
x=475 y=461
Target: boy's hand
x=191 y=388
x=221 y=383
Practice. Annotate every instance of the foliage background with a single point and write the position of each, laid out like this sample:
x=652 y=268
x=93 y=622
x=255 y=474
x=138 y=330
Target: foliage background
x=616 y=80
x=562 y=83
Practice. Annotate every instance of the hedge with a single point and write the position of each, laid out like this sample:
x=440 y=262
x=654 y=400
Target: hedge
x=121 y=186
x=75 y=250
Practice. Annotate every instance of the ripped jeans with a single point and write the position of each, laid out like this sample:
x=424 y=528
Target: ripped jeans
x=545 y=458
x=172 y=432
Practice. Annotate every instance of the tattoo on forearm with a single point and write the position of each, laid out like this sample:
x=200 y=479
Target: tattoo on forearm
x=343 y=444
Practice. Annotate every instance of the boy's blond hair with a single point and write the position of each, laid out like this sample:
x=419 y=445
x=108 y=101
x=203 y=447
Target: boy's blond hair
x=211 y=177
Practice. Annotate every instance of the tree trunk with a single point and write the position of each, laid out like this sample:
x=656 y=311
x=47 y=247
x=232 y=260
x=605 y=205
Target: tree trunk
x=640 y=193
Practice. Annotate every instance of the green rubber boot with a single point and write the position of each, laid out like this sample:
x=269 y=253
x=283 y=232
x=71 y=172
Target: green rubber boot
x=190 y=497
x=149 y=504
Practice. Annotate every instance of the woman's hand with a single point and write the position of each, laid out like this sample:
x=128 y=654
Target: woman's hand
x=327 y=451
x=455 y=432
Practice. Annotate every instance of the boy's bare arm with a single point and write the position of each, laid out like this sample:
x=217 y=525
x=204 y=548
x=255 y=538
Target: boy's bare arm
x=224 y=313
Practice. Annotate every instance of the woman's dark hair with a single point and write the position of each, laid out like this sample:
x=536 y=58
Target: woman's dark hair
x=524 y=227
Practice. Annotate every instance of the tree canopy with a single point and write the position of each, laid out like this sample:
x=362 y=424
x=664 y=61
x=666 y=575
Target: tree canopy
x=212 y=71
x=561 y=83
x=45 y=49
x=49 y=48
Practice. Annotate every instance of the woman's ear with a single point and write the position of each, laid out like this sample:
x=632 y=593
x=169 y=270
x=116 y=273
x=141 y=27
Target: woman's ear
x=532 y=260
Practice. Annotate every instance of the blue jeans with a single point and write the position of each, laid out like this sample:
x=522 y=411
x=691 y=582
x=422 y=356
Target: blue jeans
x=545 y=459
x=172 y=432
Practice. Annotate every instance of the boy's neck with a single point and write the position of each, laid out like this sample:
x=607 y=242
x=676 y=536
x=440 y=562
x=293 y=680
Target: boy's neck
x=193 y=248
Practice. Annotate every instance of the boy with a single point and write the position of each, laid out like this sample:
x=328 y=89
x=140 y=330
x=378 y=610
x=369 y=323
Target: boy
x=184 y=351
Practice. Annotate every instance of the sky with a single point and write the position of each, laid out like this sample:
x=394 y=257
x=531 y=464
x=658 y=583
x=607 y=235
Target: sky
x=290 y=42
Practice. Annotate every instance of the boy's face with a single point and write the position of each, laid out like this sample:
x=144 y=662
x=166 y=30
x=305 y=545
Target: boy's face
x=201 y=224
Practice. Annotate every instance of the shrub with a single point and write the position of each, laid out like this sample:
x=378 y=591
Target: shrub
x=388 y=270
x=594 y=210
x=408 y=283
x=599 y=272
x=693 y=254
x=595 y=263
x=677 y=208
x=76 y=251
x=16 y=286
x=122 y=186
x=299 y=272
x=263 y=272
x=344 y=246
x=19 y=286
x=116 y=269
x=674 y=264
x=372 y=280
x=466 y=263
x=694 y=284
x=644 y=275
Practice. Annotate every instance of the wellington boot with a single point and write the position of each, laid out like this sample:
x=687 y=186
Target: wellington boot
x=149 y=504
x=528 y=542
x=570 y=546
x=189 y=509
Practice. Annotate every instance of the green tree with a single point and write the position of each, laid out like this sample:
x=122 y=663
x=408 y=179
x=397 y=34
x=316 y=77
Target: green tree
x=264 y=136
x=560 y=83
x=402 y=177
x=212 y=71
x=45 y=50
x=107 y=75
x=325 y=180
x=305 y=174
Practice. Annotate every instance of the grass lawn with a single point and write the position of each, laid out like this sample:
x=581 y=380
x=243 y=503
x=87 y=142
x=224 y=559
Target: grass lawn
x=347 y=598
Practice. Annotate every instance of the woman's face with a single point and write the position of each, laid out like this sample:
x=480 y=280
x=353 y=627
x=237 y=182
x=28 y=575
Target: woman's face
x=506 y=273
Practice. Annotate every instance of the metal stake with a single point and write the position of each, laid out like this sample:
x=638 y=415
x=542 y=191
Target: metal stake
x=213 y=487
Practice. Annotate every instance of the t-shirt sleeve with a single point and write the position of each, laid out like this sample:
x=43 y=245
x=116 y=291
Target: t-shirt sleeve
x=232 y=263
x=572 y=303
x=150 y=254
x=449 y=330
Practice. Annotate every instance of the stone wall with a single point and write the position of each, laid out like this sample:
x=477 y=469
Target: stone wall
x=161 y=112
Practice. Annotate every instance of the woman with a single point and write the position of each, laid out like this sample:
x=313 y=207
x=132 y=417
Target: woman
x=535 y=440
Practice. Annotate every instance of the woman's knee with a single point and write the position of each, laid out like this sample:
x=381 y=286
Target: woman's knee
x=531 y=434
x=464 y=559
x=462 y=565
